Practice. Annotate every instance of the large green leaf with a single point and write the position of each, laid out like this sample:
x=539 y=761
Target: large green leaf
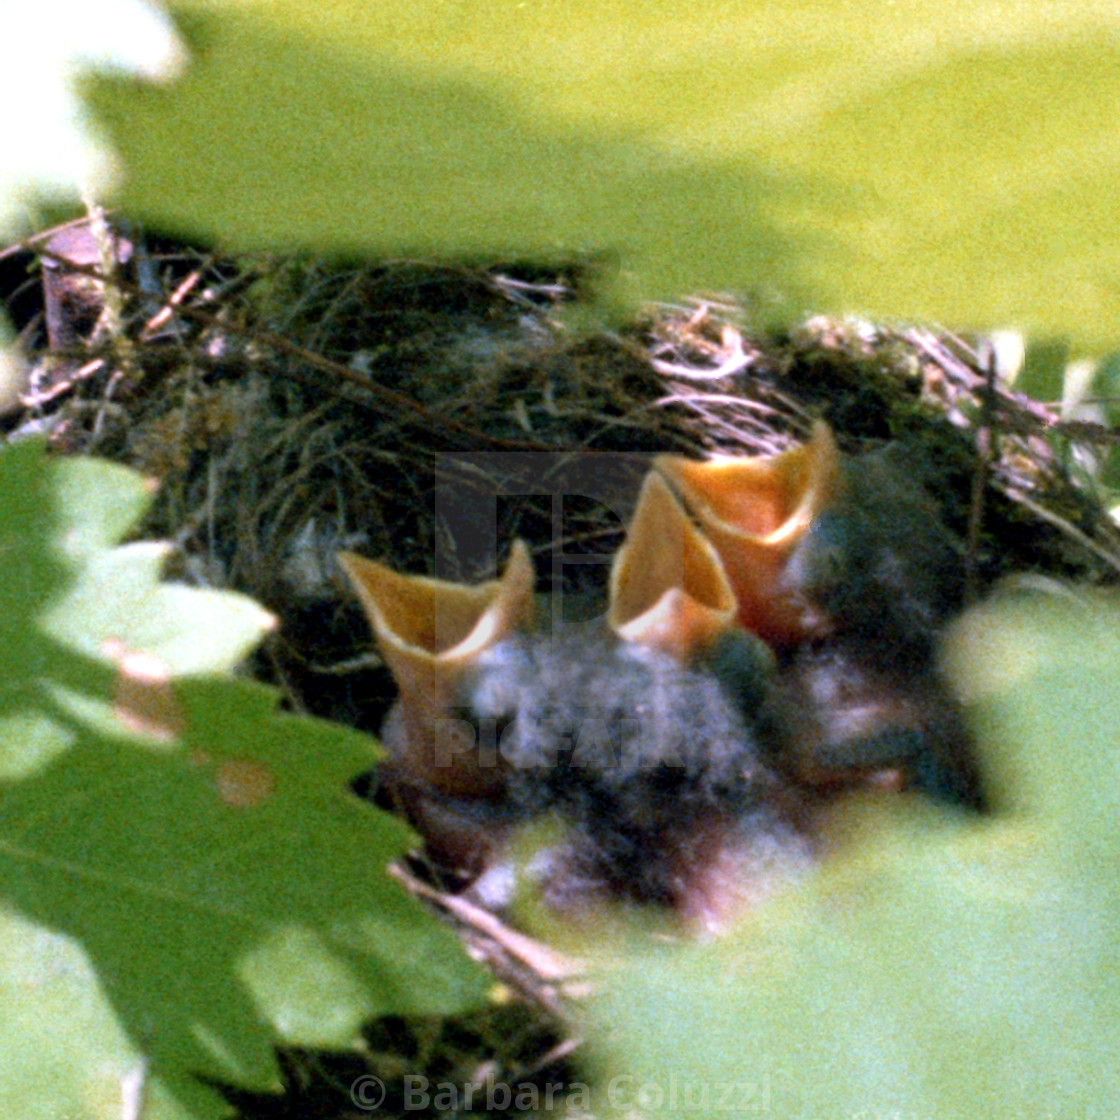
x=936 y=968
x=944 y=160
x=186 y=879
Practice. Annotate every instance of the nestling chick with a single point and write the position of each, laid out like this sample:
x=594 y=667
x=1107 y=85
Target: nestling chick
x=848 y=720
x=815 y=542
x=843 y=564
x=431 y=633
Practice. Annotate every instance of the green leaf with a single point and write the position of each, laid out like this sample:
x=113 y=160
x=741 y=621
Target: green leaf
x=63 y=581
x=188 y=877
x=65 y=1051
x=50 y=145
x=1044 y=369
x=118 y=604
x=118 y=598
x=935 y=967
x=186 y=880
x=905 y=159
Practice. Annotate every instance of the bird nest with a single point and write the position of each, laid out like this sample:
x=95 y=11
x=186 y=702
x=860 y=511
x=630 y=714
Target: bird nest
x=428 y=415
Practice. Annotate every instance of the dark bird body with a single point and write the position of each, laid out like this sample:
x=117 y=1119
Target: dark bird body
x=657 y=774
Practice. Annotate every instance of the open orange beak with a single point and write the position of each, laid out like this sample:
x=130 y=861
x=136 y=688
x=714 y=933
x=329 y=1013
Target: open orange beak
x=430 y=632
x=754 y=511
x=668 y=587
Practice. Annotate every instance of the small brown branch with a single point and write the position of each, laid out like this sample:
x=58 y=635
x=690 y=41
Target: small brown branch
x=545 y=962
x=986 y=440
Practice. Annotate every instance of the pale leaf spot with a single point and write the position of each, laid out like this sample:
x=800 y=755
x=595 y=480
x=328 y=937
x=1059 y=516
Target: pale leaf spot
x=143 y=700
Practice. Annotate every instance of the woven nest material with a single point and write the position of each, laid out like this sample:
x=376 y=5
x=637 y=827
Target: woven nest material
x=427 y=415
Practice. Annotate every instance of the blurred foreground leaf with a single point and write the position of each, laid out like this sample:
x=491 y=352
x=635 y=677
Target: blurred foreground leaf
x=937 y=968
x=48 y=141
x=946 y=160
x=185 y=879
